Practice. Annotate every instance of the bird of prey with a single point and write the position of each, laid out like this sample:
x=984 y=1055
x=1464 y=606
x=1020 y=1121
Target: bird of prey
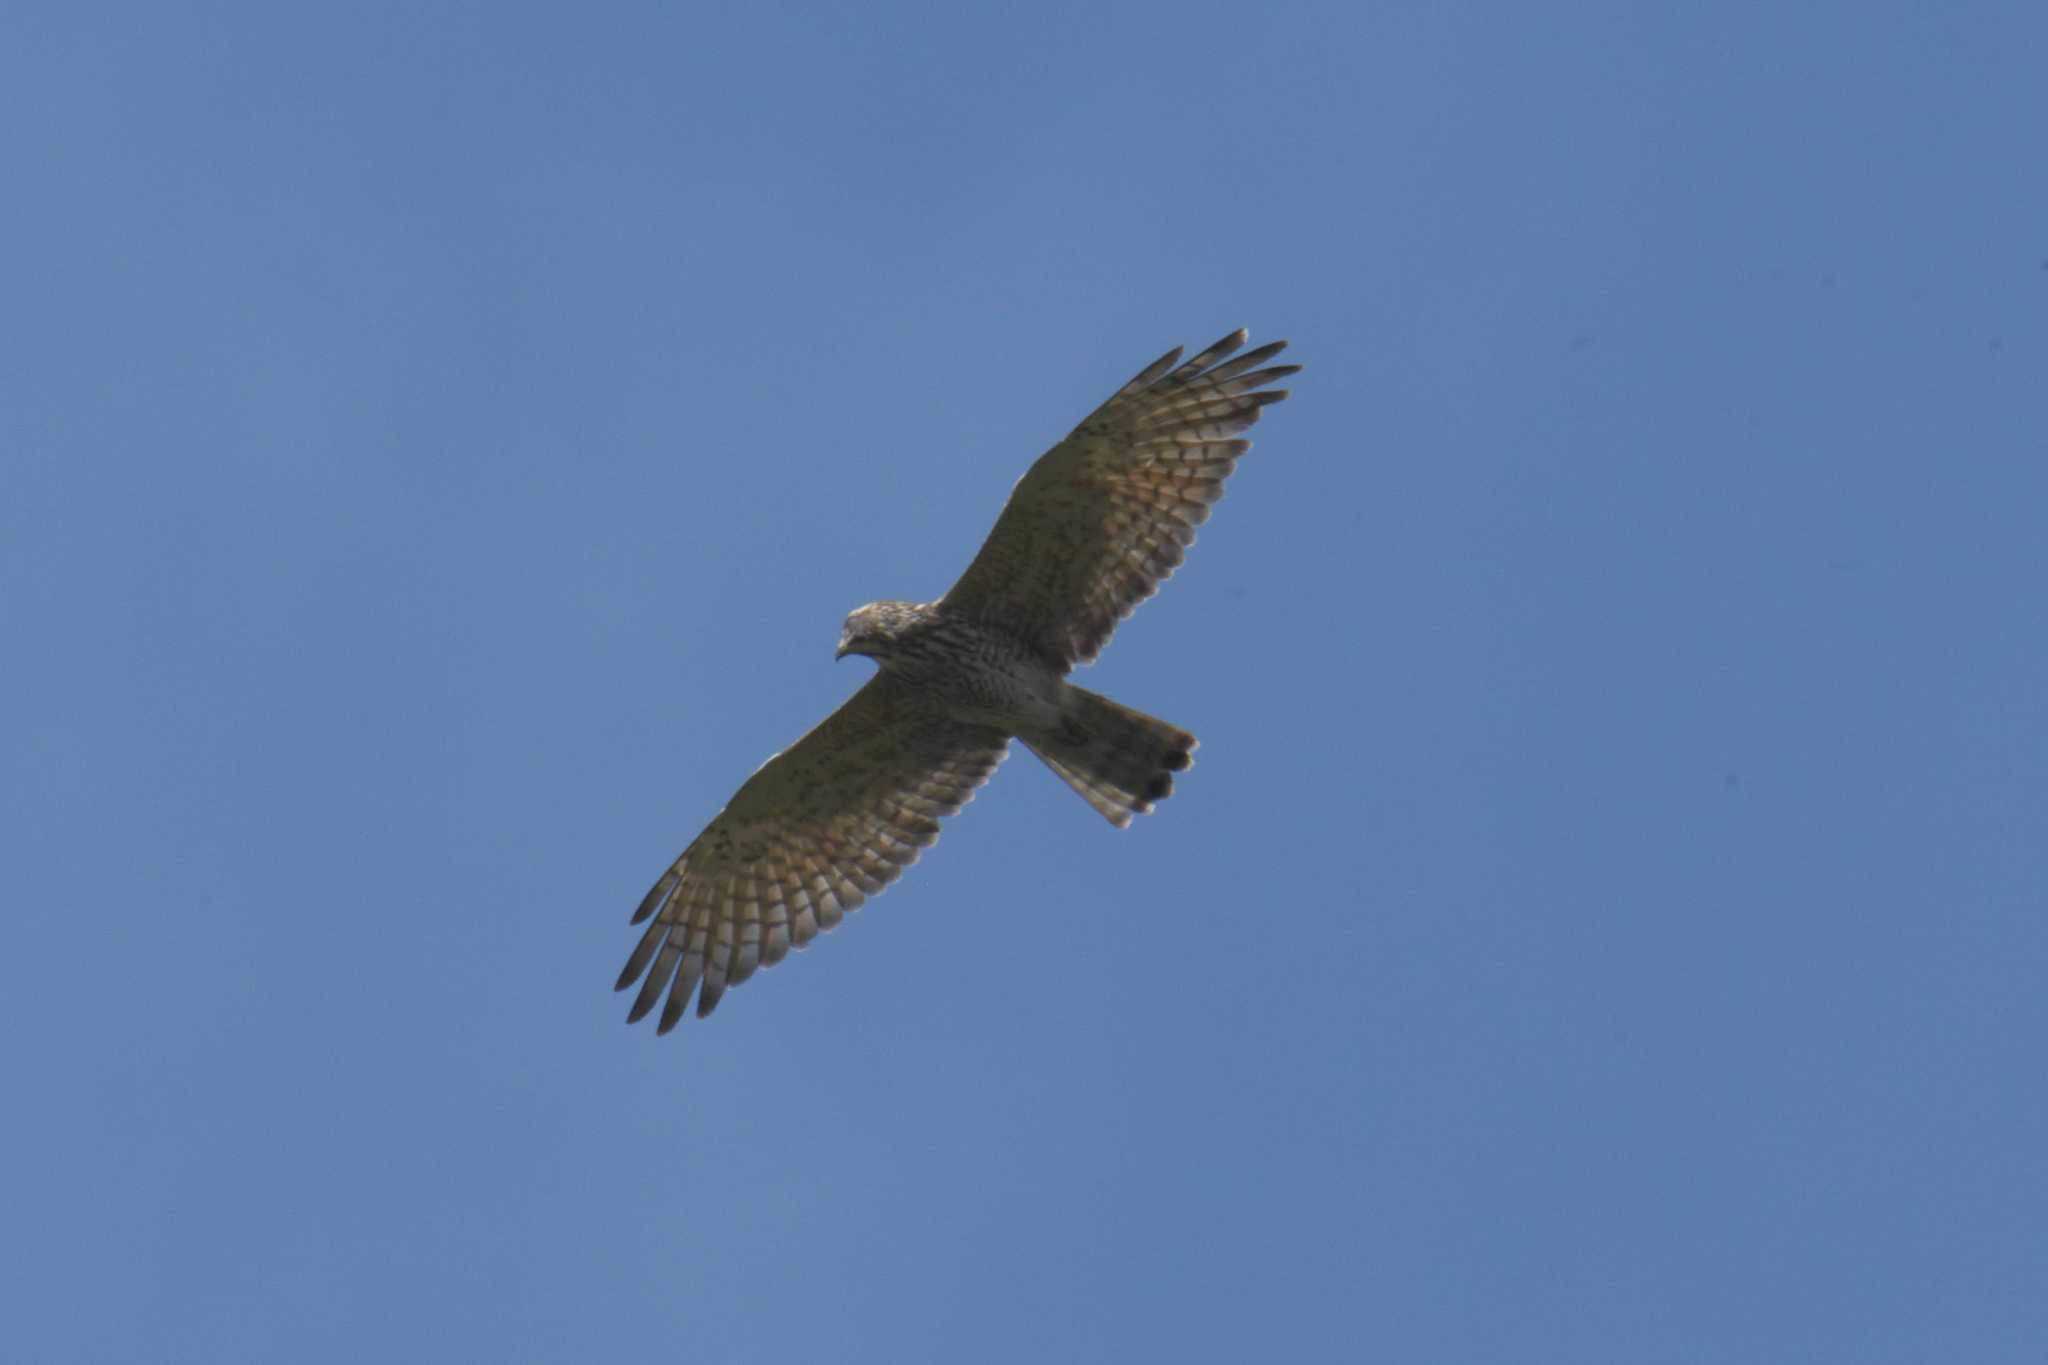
x=1089 y=532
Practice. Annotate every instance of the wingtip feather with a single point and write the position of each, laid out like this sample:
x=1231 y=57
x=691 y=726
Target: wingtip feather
x=671 y=1012
x=658 y=894
x=1151 y=374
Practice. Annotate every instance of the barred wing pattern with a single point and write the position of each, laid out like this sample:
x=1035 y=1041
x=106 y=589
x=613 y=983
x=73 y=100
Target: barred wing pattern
x=1105 y=516
x=819 y=828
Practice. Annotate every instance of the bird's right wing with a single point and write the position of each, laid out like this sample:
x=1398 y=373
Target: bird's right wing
x=821 y=826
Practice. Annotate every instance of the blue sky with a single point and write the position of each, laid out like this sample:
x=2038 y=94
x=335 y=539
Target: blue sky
x=1606 y=919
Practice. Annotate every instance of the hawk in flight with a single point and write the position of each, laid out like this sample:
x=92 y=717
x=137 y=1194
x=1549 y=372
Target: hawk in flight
x=1089 y=532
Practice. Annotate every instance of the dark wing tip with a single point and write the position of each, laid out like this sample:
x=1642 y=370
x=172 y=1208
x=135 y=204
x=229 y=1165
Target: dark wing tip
x=657 y=894
x=1249 y=361
x=1210 y=354
x=672 y=1012
x=1146 y=377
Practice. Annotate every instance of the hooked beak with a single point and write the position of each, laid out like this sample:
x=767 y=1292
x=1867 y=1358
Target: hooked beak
x=845 y=649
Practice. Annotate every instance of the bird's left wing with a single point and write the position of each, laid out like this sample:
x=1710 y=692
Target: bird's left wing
x=821 y=826
x=1097 y=524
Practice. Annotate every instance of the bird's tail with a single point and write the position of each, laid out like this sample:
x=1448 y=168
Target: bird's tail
x=1120 y=760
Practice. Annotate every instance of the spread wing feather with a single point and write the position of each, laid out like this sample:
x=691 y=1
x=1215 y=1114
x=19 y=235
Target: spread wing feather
x=820 y=827
x=1105 y=516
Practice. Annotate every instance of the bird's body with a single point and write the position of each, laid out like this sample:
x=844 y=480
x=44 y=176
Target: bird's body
x=1089 y=532
x=976 y=673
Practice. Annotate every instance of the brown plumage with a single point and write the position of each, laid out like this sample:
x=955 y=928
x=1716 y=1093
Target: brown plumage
x=1090 y=531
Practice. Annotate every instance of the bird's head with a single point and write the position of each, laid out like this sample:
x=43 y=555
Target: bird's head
x=874 y=629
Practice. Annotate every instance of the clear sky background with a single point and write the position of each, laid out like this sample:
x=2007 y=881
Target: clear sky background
x=1606 y=921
